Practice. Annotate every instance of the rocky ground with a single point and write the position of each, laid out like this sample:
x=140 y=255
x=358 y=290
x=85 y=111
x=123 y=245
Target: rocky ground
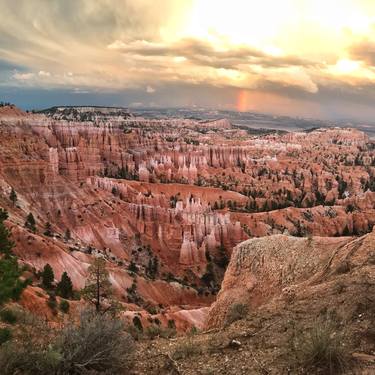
x=337 y=297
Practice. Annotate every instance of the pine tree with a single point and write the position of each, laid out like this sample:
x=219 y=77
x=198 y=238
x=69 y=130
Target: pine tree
x=30 y=222
x=47 y=276
x=346 y=231
x=152 y=267
x=67 y=235
x=13 y=196
x=97 y=286
x=6 y=244
x=222 y=259
x=10 y=285
x=132 y=267
x=48 y=229
x=65 y=287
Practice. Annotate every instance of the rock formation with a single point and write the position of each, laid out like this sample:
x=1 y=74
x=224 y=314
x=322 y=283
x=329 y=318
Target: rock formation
x=177 y=193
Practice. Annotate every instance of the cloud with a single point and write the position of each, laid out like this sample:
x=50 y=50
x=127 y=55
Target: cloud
x=23 y=76
x=197 y=61
x=204 y=53
x=364 y=51
x=150 y=90
x=42 y=73
x=80 y=91
x=134 y=46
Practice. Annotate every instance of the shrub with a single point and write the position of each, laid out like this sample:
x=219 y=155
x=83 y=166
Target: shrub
x=193 y=331
x=185 y=350
x=30 y=352
x=64 y=306
x=321 y=349
x=51 y=302
x=138 y=323
x=171 y=324
x=98 y=343
x=21 y=359
x=236 y=311
x=134 y=332
x=154 y=331
x=30 y=222
x=8 y=316
x=5 y=335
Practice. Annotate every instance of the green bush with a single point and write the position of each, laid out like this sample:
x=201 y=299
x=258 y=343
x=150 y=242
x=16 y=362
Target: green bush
x=51 y=302
x=5 y=335
x=8 y=316
x=134 y=332
x=64 y=306
x=236 y=311
x=138 y=323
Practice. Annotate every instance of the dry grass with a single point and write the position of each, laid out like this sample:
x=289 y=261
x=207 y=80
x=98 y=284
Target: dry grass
x=236 y=311
x=321 y=349
x=186 y=349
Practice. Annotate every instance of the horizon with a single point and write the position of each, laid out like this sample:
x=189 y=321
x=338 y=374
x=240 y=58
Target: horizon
x=134 y=109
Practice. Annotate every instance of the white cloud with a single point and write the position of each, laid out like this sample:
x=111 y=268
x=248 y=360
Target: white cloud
x=150 y=90
x=42 y=73
x=80 y=91
x=117 y=44
x=23 y=76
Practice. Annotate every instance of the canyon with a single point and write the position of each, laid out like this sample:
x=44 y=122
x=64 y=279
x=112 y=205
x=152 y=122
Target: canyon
x=169 y=203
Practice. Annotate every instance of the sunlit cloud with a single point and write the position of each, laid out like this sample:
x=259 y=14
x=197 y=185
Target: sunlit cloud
x=271 y=49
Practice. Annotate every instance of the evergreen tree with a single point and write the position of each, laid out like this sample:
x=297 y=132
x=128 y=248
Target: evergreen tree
x=30 y=222
x=67 y=235
x=132 y=267
x=47 y=276
x=222 y=259
x=10 y=285
x=346 y=231
x=152 y=267
x=6 y=244
x=65 y=287
x=13 y=196
x=97 y=286
x=48 y=229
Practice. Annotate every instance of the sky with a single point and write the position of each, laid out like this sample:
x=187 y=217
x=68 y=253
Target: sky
x=310 y=58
